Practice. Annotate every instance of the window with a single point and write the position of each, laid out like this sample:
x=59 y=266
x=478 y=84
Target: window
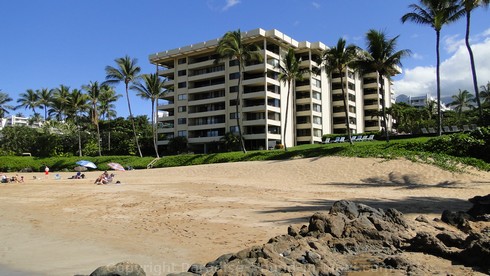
x=212 y=133
x=317 y=108
x=234 y=115
x=234 y=76
x=182 y=97
x=233 y=89
x=233 y=62
x=317 y=83
x=232 y=102
x=317 y=120
x=182 y=108
x=182 y=133
x=234 y=129
x=182 y=121
x=351 y=86
x=182 y=60
x=182 y=72
x=182 y=84
x=317 y=95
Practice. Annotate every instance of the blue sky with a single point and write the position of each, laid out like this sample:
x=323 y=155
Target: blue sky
x=48 y=43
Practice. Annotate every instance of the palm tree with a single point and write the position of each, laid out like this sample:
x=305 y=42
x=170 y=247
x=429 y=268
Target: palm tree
x=338 y=59
x=77 y=102
x=59 y=104
x=125 y=71
x=383 y=58
x=290 y=71
x=485 y=93
x=463 y=100
x=4 y=107
x=232 y=46
x=107 y=108
x=153 y=89
x=435 y=13
x=469 y=6
x=45 y=96
x=93 y=94
x=29 y=99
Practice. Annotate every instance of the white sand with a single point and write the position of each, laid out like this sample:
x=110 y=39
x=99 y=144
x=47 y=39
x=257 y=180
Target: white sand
x=167 y=219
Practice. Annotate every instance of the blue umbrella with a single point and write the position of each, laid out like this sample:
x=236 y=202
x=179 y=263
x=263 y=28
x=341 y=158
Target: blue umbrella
x=87 y=164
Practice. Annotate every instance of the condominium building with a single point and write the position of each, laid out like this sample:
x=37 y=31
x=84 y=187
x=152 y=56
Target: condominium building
x=17 y=121
x=201 y=100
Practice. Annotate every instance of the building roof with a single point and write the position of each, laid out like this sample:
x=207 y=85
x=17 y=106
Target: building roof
x=210 y=44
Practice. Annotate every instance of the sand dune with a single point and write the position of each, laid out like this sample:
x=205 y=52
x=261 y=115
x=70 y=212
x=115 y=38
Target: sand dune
x=166 y=219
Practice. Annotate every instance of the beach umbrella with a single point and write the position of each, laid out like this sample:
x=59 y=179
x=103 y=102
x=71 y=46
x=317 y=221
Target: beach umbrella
x=80 y=169
x=116 y=166
x=87 y=164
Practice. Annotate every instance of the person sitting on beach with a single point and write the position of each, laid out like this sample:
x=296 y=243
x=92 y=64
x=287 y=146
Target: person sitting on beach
x=5 y=179
x=102 y=179
x=76 y=176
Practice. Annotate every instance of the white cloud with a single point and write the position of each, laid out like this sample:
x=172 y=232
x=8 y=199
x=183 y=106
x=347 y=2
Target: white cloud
x=417 y=56
x=230 y=3
x=455 y=73
x=316 y=5
x=452 y=43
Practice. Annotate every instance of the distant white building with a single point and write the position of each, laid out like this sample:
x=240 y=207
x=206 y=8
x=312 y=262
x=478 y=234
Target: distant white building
x=17 y=121
x=419 y=101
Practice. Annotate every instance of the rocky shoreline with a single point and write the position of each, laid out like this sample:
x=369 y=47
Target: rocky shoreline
x=353 y=238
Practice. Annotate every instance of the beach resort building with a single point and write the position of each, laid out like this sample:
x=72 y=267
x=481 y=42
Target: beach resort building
x=420 y=101
x=17 y=121
x=201 y=100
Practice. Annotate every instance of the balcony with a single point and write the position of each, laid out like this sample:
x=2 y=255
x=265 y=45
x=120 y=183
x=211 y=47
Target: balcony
x=206 y=101
x=371 y=85
x=206 y=126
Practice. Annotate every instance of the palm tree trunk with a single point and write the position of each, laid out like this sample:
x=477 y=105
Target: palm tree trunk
x=346 y=107
x=383 y=105
x=472 y=63
x=79 y=141
x=438 y=86
x=153 y=126
x=98 y=138
x=238 y=113
x=132 y=122
x=286 y=119
x=109 y=135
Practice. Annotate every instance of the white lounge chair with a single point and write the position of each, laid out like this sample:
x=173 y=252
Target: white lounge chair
x=446 y=129
x=327 y=140
x=354 y=138
x=337 y=139
x=466 y=128
x=370 y=137
x=424 y=130
x=342 y=139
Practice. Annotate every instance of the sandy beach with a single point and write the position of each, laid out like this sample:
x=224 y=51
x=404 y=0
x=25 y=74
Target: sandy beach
x=166 y=219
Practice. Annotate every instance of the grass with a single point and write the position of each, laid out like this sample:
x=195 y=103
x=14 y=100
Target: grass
x=404 y=148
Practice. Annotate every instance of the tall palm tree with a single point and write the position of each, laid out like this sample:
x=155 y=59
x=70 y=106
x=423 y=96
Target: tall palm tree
x=126 y=71
x=469 y=6
x=290 y=71
x=59 y=104
x=383 y=58
x=152 y=88
x=338 y=59
x=77 y=102
x=29 y=99
x=463 y=100
x=4 y=107
x=107 y=108
x=233 y=46
x=93 y=94
x=435 y=13
x=485 y=93
x=45 y=100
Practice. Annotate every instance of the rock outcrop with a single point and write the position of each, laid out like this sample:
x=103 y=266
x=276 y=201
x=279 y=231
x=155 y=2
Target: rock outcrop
x=353 y=237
